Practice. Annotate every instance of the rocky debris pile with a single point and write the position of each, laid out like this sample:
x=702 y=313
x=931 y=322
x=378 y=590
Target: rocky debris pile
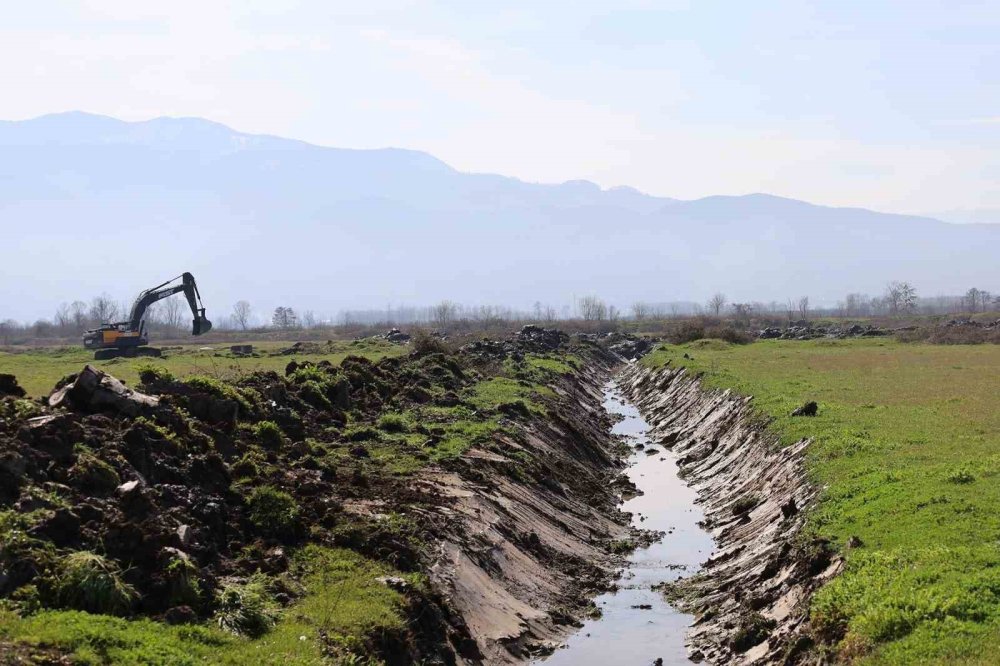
x=395 y=335
x=629 y=346
x=809 y=332
x=972 y=323
x=530 y=339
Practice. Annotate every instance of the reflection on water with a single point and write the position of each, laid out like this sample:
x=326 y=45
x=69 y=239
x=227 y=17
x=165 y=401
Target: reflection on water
x=637 y=625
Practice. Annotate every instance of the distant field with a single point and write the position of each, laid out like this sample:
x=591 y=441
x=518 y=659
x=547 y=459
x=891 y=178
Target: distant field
x=38 y=369
x=907 y=446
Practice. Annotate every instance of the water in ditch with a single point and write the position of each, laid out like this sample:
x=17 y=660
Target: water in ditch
x=637 y=626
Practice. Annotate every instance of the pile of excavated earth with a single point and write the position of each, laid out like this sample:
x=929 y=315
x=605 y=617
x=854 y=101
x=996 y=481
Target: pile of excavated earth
x=488 y=470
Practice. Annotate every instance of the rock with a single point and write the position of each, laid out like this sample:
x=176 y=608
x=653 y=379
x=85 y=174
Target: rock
x=180 y=615
x=359 y=451
x=184 y=534
x=13 y=464
x=394 y=582
x=128 y=487
x=808 y=409
x=643 y=606
x=9 y=386
x=855 y=542
x=789 y=508
x=95 y=391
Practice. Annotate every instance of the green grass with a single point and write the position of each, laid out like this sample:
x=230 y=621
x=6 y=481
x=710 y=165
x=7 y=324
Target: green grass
x=344 y=602
x=907 y=448
x=38 y=370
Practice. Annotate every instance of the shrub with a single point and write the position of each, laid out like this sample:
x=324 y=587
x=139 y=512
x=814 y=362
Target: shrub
x=687 y=331
x=393 y=423
x=247 y=609
x=88 y=581
x=733 y=335
x=272 y=511
x=268 y=433
x=424 y=343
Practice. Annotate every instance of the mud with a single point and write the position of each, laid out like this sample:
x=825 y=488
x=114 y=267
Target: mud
x=750 y=598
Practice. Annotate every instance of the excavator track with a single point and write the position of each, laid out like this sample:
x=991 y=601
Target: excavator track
x=127 y=352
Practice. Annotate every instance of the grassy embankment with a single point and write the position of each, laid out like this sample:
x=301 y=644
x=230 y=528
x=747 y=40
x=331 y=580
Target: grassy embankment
x=39 y=368
x=341 y=605
x=907 y=448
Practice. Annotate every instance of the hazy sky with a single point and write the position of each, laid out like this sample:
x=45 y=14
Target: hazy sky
x=888 y=105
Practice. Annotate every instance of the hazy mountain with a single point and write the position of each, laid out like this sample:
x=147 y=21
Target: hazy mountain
x=90 y=204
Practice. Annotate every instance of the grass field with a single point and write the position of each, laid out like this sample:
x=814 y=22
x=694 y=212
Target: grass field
x=38 y=369
x=907 y=448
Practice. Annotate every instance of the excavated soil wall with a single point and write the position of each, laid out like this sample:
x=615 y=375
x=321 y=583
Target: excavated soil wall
x=529 y=529
x=751 y=597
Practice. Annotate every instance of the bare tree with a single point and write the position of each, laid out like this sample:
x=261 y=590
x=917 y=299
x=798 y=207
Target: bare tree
x=103 y=309
x=63 y=318
x=803 y=306
x=309 y=319
x=171 y=317
x=640 y=311
x=284 y=317
x=444 y=313
x=742 y=311
x=900 y=297
x=549 y=314
x=78 y=313
x=971 y=300
x=592 y=308
x=241 y=314
x=716 y=303
x=8 y=328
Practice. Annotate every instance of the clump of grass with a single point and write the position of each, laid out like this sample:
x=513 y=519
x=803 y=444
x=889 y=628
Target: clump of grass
x=182 y=576
x=268 y=433
x=247 y=609
x=753 y=628
x=393 y=422
x=315 y=394
x=362 y=433
x=274 y=512
x=93 y=474
x=962 y=475
x=150 y=373
x=219 y=389
x=745 y=504
x=91 y=582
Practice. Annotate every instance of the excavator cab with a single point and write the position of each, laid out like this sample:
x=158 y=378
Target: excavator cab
x=128 y=338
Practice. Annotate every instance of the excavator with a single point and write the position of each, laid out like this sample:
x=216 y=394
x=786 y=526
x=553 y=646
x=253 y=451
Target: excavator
x=128 y=338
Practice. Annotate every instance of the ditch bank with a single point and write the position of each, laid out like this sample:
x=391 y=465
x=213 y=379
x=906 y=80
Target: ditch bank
x=750 y=599
x=533 y=522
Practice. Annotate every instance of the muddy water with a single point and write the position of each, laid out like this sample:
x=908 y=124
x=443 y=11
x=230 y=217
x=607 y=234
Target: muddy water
x=626 y=633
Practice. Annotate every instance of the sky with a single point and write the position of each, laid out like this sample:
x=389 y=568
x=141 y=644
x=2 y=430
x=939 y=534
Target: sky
x=887 y=105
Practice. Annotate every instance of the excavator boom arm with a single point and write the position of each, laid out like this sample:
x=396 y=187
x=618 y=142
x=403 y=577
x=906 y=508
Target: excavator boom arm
x=190 y=289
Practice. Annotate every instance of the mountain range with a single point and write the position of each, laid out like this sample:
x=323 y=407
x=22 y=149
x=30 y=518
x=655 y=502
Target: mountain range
x=91 y=204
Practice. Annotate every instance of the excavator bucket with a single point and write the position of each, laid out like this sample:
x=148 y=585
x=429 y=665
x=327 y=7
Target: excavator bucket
x=200 y=325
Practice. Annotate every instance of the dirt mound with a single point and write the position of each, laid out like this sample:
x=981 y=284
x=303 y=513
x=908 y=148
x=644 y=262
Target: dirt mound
x=201 y=483
x=10 y=387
